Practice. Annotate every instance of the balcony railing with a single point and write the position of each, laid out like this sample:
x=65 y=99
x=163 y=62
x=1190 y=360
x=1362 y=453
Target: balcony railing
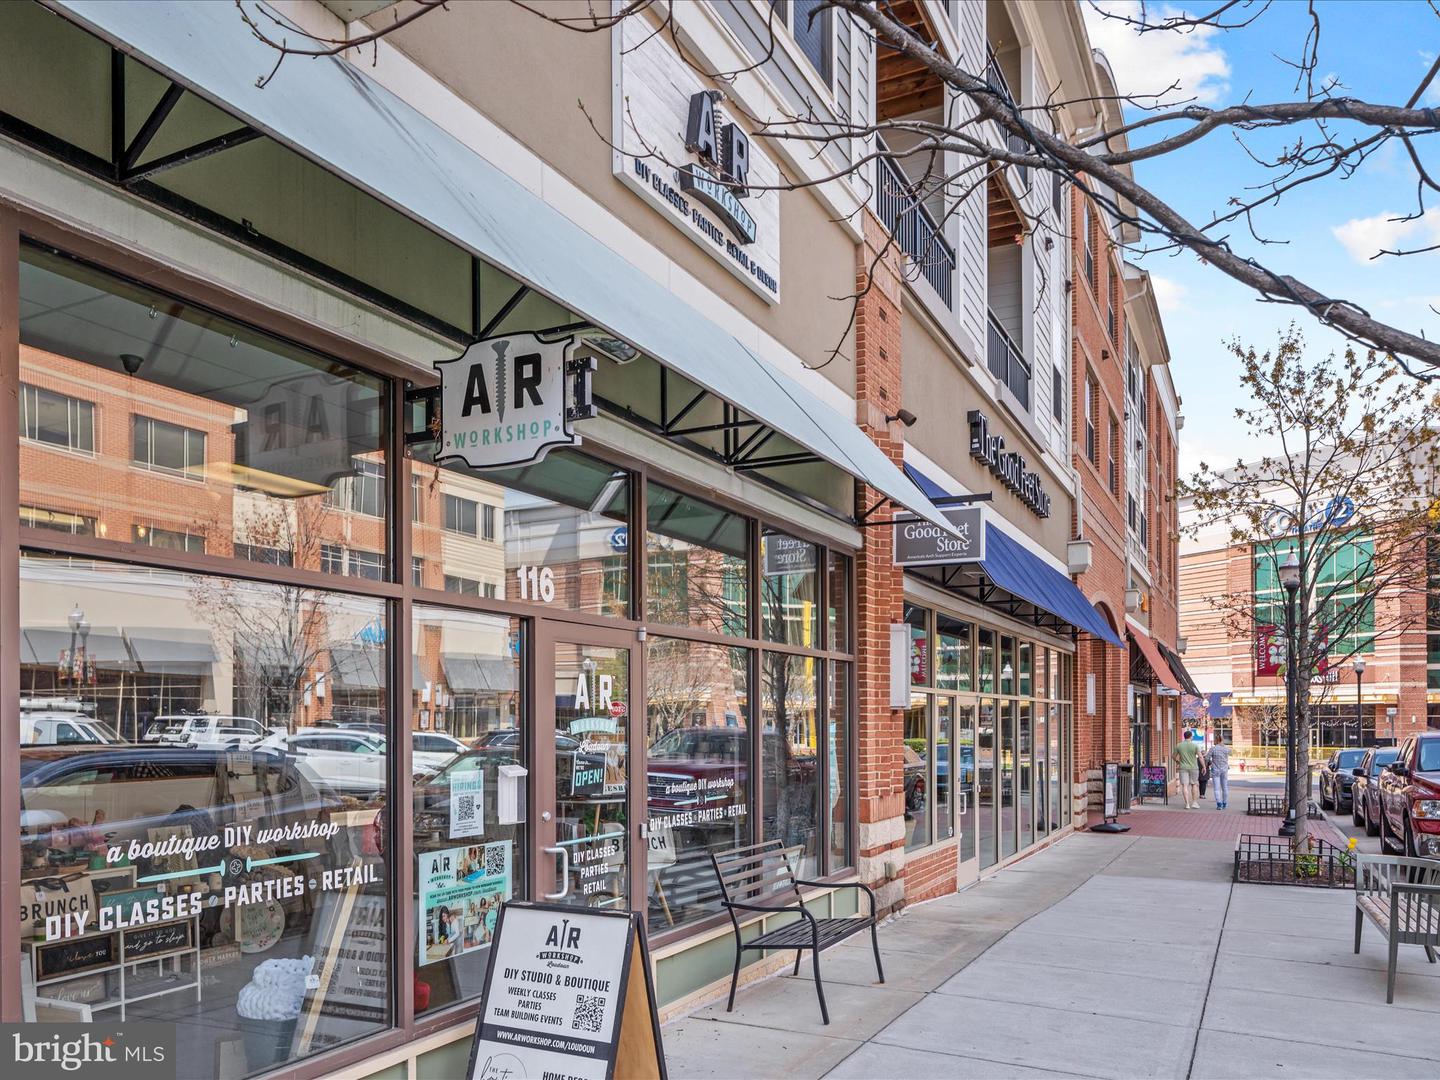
x=1014 y=143
x=1006 y=362
x=913 y=227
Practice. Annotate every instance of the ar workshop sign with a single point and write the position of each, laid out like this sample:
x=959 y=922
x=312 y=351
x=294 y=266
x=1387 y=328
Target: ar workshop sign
x=503 y=402
x=680 y=149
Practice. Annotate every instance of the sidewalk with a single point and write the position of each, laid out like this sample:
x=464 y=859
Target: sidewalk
x=1105 y=956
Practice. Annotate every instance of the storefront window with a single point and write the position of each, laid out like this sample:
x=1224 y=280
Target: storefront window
x=468 y=743
x=1007 y=665
x=965 y=779
x=1007 y=779
x=1027 y=669
x=1025 y=763
x=696 y=563
x=837 y=597
x=953 y=659
x=985 y=660
x=944 y=767
x=554 y=533
x=918 y=619
x=917 y=756
x=698 y=783
x=839 y=749
x=199 y=434
x=789 y=744
x=789 y=589
x=221 y=829
x=985 y=777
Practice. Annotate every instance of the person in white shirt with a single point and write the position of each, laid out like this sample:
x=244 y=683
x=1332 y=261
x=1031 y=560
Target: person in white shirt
x=1219 y=759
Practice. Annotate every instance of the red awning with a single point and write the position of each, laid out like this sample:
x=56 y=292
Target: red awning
x=1163 y=675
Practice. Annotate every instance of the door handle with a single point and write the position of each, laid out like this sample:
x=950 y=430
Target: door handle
x=564 y=872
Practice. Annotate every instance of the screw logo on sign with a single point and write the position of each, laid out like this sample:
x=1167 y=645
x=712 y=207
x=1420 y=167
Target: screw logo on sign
x=503 y=402
x=617 y=709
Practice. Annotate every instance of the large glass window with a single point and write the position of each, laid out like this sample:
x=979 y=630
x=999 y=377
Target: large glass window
x=217 y=822
x=965 y=779
x=202 y=427
x=917 y=753
x=953 y=659
x=837 y=599
x=698 y=783
x=467 y=745
x=789 y=589
x=944 y=770
x=838 y=707
x=918 y=619
x=1007 y=779
x=985 y=781
x=696 y=563
x=789 y=763
x=555 y=533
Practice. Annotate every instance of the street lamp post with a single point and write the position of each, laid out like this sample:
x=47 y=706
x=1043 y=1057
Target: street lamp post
x=1290 y=579
x=1359 y=667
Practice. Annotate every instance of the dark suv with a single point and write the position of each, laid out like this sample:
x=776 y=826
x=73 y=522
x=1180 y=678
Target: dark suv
x=1364 y=801
x=1409 y=791
x=1336 y=777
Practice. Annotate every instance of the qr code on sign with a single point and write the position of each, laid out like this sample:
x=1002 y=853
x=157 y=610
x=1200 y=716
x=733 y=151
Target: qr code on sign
x=465 y=808
x=588 y=1013
x=495 y=859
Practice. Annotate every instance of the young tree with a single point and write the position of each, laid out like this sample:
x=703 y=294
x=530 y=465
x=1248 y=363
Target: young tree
x=1315 y=135
x=1347 y=493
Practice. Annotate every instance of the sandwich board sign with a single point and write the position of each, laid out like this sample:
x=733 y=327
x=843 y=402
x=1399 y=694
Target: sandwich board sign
x=568 y=994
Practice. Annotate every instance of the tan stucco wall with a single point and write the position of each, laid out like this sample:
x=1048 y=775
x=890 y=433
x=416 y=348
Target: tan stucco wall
x=940 y=394
x=499 y=58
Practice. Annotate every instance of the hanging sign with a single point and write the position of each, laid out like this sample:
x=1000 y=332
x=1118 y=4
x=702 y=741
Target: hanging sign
x=1269 y=650
x=503 y=402
x=568 y=994
x=923 y=543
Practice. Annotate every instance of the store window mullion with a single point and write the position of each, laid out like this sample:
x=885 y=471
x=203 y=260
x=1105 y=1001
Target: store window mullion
x=822 y=748
x=399 y=635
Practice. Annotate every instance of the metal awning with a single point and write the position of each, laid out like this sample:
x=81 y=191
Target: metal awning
x=1177 y=665
x=466 y=674
x=1159 y=667
x=1014 y=579
x=172 y=650
x=329 y=112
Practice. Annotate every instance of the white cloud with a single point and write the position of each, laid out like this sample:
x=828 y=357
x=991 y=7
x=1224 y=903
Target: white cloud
x=1364 y=237
x=1169 y=293
x=1147 y=64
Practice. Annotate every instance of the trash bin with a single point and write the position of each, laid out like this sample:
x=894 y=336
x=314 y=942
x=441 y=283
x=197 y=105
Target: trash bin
x=1125 y=790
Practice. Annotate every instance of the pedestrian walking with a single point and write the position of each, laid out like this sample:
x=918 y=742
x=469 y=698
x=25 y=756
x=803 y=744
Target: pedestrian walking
x=1219 y=761
x=1186 y=756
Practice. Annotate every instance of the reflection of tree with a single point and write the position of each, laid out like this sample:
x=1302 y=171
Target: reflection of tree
x=682 y=678
x=276 y=631
x=689 y=585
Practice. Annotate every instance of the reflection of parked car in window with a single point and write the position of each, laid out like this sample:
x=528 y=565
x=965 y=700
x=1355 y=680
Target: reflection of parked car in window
x=503 y=745
x=59 y=723
x=430 y=750
x=78 y=797
x=208 y=732
x=350 y=762
x=699 y=768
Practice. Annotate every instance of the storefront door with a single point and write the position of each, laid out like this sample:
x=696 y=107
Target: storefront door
x=966 y=814
x=583 y=764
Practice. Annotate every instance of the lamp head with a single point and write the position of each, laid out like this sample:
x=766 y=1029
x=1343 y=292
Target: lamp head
x=1290 y=572
x=905 y=416
x=131 y=362
x=75 y=618
x=1359 y=667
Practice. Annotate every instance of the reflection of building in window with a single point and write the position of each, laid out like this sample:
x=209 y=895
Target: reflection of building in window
x=57 y=419
x=460 y=515
x=362 y=492
x=168 y=447
x=57 y=521
x=352 y=562
x=260 y=553
x=170 y=539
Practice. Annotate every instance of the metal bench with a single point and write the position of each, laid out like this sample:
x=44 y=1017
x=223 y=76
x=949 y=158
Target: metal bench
x=759 y=878
x=1402 y=897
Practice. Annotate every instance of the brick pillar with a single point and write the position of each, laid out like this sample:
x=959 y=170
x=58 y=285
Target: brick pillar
x=879 y=583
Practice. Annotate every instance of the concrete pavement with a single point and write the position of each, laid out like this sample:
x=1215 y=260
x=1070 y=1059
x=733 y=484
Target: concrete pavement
x=1101 y=956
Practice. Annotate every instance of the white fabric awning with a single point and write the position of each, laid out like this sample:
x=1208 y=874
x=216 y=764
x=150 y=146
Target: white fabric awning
x=330 y=112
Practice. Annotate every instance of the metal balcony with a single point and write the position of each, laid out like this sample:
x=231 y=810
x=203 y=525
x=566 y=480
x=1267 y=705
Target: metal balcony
x=913 y=227
x=1006 y=362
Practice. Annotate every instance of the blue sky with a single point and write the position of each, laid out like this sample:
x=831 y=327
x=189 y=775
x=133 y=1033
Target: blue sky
x=1379 y=50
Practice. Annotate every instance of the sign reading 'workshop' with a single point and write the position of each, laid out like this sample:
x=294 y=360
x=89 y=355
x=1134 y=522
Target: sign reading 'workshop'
x=503 y=402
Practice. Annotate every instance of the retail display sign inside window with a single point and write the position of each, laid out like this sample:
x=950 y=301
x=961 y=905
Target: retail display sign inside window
x=680 y=149
x=506 y=401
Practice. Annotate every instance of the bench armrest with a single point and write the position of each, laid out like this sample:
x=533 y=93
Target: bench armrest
x=843 y=885
x=736 y=905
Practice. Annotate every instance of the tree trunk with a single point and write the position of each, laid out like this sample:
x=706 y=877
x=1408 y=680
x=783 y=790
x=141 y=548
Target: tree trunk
x=1300 y=782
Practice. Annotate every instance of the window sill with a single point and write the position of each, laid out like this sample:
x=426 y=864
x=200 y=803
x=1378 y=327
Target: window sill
x=73 y=451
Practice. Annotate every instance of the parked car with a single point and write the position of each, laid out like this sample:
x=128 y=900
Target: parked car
x=208 y=732
x=1409 y=798
x=430 y=750
x=1336 y=777
x=349 y=762
x=1364 y=806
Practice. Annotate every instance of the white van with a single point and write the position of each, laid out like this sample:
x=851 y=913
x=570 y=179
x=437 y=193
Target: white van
x=208 y=732
x=59 y=722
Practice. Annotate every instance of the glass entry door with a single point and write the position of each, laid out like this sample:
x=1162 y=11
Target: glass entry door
x=966 y=814
x=583 y=760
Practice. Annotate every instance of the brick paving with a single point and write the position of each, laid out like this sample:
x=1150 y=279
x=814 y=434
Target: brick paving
x=1211 y=825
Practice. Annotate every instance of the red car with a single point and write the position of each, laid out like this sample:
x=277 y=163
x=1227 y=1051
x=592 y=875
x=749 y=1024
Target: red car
x=1409 y=791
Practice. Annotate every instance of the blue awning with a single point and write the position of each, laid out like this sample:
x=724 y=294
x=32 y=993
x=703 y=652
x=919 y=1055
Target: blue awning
x=1010 y=566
